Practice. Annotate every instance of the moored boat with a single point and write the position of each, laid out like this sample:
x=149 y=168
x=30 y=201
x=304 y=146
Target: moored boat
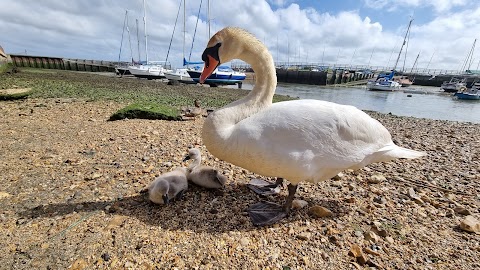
x=470 y=94
x=454 y=85
x=148 y=70
x=404 y=81
x=383 y=82
x=223 y=75
x=180 y=74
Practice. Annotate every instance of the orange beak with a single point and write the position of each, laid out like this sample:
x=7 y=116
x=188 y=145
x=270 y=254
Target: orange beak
x=208 y=69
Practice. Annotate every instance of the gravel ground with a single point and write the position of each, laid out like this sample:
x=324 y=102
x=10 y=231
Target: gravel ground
x=69 y=199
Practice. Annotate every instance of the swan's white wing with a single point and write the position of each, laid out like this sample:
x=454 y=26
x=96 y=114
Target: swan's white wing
x=306 y=140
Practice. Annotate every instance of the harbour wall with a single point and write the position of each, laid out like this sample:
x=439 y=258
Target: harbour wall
x=62 y=63
x=320 y=77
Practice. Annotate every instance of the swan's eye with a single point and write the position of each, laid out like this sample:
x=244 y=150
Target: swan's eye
x=213 y=52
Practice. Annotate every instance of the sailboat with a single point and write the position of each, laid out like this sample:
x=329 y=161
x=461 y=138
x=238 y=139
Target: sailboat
x=222 y=75
x=121 y=68
x=181 y=74
x=387 y=82
x=148 y=69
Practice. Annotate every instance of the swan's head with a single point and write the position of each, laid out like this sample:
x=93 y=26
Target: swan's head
x=226 y=45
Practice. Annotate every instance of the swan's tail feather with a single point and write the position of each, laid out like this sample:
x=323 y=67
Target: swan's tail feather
x=395 y=151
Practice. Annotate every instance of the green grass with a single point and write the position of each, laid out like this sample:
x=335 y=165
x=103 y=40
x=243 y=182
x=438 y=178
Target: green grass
x=147 y=111
x=15 y=96
x=93 y=87
x=4 y=67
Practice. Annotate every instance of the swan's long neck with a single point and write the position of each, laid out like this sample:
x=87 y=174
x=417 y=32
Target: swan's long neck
x=219 y=125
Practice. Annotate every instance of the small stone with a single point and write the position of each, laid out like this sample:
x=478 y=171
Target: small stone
x=358 y=233
x=389 y=239
x=376 y=178
x=116 y=221
x=380 y=200
x=244 y=241
x=462 y=211
x=4 y=195
x=339 y=176
x=470 y=224
x=298 y=204
x=79 y=264
x=355 y=251
x=320 y=212
x=371 y=236
x=304 y=236
x=106 y=257
x=362 y=260
x=376 y=229
x=371 y=251
x=350 y=199
x=129 y=264
x=415 y=197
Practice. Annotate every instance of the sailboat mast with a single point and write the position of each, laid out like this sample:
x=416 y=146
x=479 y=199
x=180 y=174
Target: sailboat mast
x=138 y=42
x=145 y=29
x=184 y=28
x=415 y=63
x=208 y=17
x=123 y=31
x=403 y=44
x=129 y=40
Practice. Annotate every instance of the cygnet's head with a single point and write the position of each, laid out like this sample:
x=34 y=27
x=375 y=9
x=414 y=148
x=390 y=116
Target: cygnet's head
x=193 y=154
x=158 y=192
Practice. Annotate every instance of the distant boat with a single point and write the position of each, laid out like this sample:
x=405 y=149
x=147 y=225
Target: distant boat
x=471 y=94
x=384 y=83
x=454 y=85
x=181 y=74
x=121 y=68
x=223 y=75
x=148 y=69
x=404 y=81
x=389 y=82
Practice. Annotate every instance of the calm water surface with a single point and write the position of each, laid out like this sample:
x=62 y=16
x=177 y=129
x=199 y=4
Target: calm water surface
x=434 y=105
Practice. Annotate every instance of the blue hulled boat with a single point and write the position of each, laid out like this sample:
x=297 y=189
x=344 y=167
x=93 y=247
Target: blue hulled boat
x=222 y=75
x=470 y=94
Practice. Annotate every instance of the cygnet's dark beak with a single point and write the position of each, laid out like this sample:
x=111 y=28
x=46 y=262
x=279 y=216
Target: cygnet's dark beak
x=187 y=157
x=165 y=199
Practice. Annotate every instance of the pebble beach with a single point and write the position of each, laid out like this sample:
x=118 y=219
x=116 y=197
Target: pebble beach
x=70 y=182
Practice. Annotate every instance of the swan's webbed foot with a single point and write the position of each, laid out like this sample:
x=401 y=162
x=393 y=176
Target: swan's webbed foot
x=266 y=213
x=265 y=188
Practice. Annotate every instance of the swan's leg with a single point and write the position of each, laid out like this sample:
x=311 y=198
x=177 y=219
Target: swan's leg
x=268 y=213
x=265 y=188
x=292 y=189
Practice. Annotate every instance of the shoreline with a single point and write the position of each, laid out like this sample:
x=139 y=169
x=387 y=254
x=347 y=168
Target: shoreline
x=69 y=198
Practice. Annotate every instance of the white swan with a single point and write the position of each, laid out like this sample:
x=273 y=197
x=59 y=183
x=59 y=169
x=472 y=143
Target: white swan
x=300 y=140
x=204 y=176
x=168 y=186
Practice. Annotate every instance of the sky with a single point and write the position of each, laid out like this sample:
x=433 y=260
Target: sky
x=341 y=32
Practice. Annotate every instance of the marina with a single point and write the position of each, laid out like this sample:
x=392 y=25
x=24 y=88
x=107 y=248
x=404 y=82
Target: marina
x=420 y=102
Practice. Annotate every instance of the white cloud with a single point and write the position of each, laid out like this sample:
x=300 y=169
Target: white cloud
x=92 y=30
x=439 y=6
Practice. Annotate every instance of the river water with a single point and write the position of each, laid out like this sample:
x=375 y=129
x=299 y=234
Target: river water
x=434 y=105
